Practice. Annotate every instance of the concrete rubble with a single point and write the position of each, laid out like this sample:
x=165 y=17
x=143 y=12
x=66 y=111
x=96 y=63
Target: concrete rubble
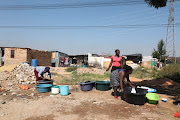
x=22 y=74
x=25 y=74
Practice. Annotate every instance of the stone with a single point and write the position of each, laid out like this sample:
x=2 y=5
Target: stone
x=4 y=94
x=26 y=101
x=14 y=99
x=14 y=93
x=33 y=82
x=10 y=84
x=3 y=102
x=27 y=82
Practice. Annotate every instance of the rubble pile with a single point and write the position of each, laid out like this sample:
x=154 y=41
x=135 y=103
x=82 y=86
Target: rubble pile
x=6 y=76
x=24 y=73
x=90 y=70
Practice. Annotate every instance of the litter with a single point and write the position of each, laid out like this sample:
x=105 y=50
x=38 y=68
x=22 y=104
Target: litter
x=177 y=114
x=164 y=99
x=24 y=87
x=147 y=88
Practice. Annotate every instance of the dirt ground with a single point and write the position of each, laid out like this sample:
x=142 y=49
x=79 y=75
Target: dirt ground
x=18 y=104
x=79 y=105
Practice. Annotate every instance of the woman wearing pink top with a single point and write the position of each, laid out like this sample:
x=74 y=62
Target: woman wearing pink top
x=116 y=61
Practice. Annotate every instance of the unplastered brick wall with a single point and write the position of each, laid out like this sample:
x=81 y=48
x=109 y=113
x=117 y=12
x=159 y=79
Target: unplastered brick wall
x=43 y=57
x=20 y=56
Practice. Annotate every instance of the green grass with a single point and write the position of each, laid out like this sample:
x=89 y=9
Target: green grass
x=172 y=72
x=142 y=73
x=76 y=79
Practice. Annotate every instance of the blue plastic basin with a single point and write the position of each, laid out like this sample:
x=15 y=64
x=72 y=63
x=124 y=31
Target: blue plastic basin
x=44 y=87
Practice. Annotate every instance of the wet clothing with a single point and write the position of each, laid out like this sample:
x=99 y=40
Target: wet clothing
x=116 y=61
x=115 y=78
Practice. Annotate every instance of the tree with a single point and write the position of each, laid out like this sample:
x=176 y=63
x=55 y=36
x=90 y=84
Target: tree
x=160 y=52
x=156 y=3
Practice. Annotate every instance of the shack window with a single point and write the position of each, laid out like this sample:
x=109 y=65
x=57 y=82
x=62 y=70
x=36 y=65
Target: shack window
x=12 y=53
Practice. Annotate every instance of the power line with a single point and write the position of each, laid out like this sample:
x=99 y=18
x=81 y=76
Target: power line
x=89 y=27
x=69 y=5
x=72 y=5
x=125 y=13
x=138 y=15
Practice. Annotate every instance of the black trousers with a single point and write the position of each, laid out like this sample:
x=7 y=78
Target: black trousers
x=115 y=68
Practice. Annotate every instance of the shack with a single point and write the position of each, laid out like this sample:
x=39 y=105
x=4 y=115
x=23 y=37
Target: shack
x=17 y=55
x=59 y=59
x=78 y=59
x=133 y=60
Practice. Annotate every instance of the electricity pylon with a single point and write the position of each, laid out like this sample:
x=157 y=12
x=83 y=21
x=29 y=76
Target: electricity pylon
x=170 y=38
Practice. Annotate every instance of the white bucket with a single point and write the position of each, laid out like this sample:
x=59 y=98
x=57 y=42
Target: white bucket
x=55 y=89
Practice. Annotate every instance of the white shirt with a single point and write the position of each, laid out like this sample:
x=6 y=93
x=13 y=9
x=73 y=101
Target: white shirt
x=40 y=70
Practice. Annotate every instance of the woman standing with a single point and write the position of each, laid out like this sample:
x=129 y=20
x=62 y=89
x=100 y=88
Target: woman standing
x=117 y=78
x=115 y=61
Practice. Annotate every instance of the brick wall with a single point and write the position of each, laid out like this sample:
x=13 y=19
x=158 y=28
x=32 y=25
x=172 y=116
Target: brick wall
x=43 y=57
x=20 y=56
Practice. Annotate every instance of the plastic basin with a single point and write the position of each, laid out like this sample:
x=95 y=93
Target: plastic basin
x=87 y=86
x=102 y=85
x=44 y=87
x=137 y=98
x=152 y=98
x=64 y=90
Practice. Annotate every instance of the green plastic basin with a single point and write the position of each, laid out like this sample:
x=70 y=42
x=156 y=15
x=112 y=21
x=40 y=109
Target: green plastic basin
x=152 y=98
x=102 y=85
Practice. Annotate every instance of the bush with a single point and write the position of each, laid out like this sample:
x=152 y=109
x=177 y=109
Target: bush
x=172 y=72
x=142 y=73
x=70 y=69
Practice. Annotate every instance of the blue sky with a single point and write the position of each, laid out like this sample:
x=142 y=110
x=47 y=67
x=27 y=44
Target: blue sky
x=82 y=41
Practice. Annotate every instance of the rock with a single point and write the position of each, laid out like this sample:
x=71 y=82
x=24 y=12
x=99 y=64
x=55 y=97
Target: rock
x=13 y=93
x=33 y=82
x=4 y=94
x=3 y=102
x=10 y=84
x=14 y=99
x=28 y=82
x=26 y=101
x=23 y=83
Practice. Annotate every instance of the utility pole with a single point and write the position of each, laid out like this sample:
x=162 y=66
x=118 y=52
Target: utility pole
x=170 y=37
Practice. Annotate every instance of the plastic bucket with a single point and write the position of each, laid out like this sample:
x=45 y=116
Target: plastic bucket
x=83 y=65
x=64 y=90
x=34 y=62
x=55 y=89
